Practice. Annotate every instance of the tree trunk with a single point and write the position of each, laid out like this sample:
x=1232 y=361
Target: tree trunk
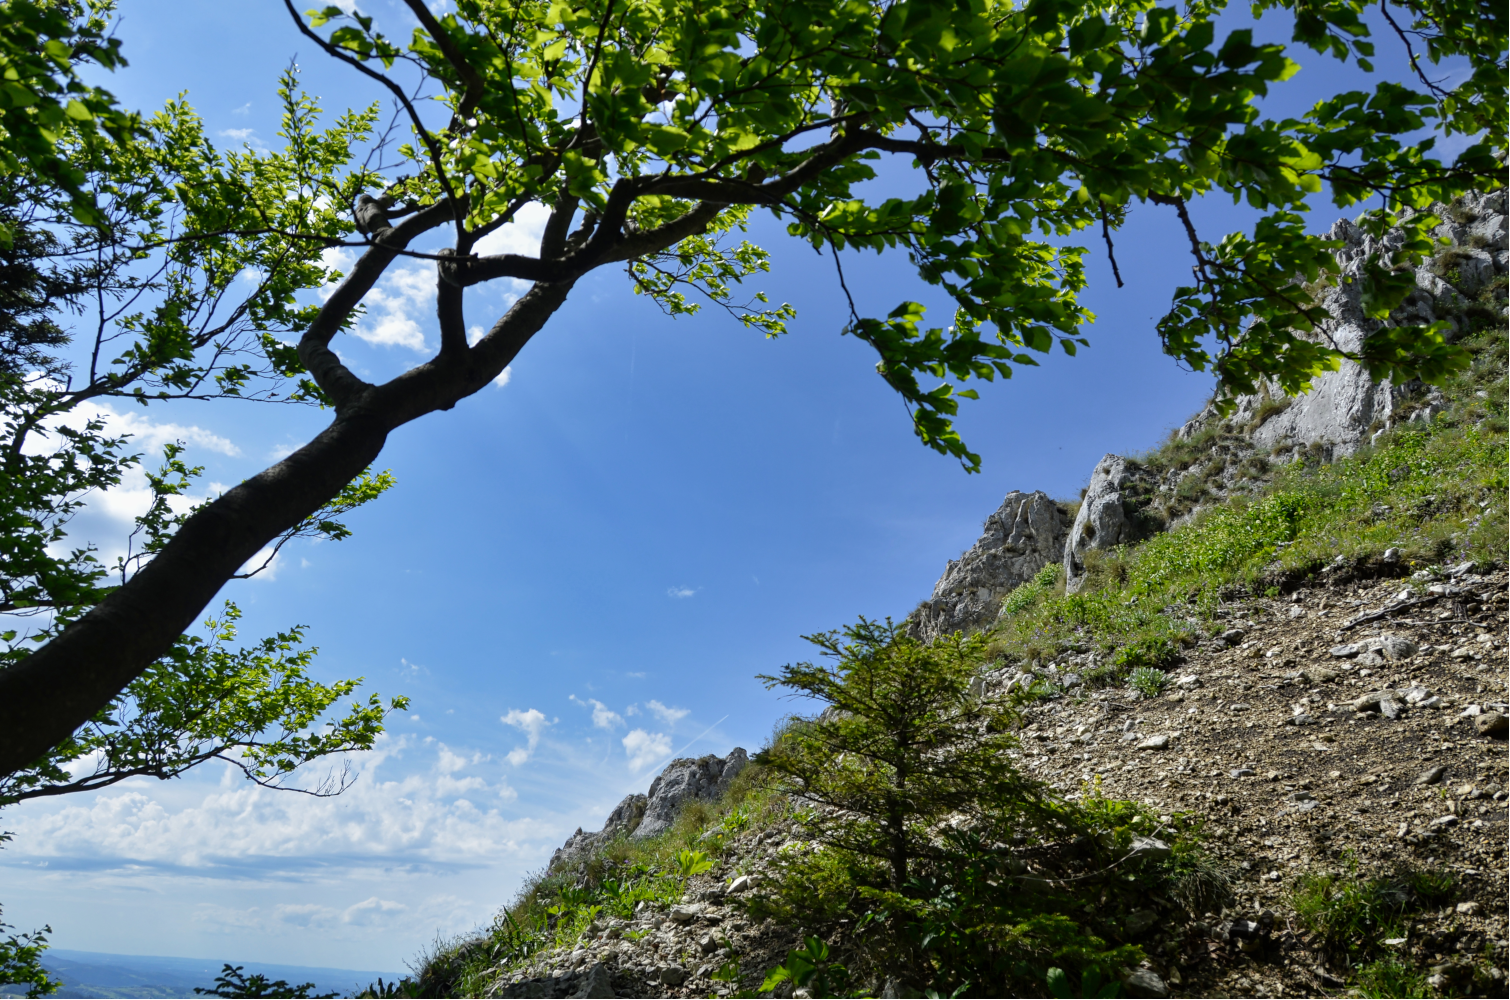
x=61 y=686
x=58 y=688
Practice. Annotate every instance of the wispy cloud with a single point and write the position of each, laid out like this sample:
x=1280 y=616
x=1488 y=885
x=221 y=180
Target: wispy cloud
x=532 y=722
x=246 y=136
x=645 y=749
x=680 y=592
x=669 y=716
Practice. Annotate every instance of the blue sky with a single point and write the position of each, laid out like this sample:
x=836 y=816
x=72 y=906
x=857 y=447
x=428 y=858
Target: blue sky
x=579 y=573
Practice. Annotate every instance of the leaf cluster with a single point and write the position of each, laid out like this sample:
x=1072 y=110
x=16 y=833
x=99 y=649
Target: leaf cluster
x=651 y=124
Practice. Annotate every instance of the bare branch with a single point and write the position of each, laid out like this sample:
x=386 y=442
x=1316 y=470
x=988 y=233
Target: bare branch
x=314 y=347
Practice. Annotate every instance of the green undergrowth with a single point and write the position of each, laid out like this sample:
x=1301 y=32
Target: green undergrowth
x=1363 y=924
x=1433 y=490
x=998 y=888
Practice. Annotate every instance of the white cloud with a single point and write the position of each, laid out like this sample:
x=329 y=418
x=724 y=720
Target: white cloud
x=265 y=564
x=370 y=913
x=603 y=717
x=532 y=722
x=645 y=749
x=425 y=816
x=143 y=430
x=680 y=592
x=247 y=136
x=340 y=259
x=670 y=716
x=393 y=304
x=522 y=236
x=243 y=110
x=110 y=514
x=476 y=333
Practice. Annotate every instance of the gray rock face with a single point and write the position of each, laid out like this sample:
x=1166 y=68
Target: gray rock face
x=1101 y=521
x=1342 y=408
x=683 y=779
x=625 y=819
x=647 y=815
x=1025 y=534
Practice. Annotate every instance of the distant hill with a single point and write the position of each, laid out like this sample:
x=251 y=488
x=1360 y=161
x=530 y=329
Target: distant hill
x=98 y=974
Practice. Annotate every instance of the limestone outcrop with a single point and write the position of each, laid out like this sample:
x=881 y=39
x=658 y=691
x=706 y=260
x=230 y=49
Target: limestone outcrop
x=1345 y=408
x=1126 y=500
x=1025 y=534
x=1102 y=520
x=683 y=779
x=646 y=815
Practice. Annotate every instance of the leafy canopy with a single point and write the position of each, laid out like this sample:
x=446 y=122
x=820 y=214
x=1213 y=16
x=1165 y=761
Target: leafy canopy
x=166 y=318
x=1025 y=125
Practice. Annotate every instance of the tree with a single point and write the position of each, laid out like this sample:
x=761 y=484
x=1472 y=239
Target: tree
x=255 y=708
x=650 y=129
x=903 y=744
x=41 y=47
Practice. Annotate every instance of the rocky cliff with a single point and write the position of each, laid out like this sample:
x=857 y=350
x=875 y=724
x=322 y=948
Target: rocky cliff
x=1128 y=498
x=642 y=816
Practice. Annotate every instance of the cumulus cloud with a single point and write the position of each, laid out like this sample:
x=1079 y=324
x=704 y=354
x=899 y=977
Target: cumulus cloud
x=645 y=749
x=392 y=305
x=436 y=815
x=680 y=592
x=403 y=294
x=143 y=430
x=110 y=514
x=603 y=717
x=522 y=236
x=670 y=716
x=532 y=722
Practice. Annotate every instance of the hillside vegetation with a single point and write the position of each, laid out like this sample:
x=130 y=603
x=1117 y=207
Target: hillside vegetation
x=897 y=844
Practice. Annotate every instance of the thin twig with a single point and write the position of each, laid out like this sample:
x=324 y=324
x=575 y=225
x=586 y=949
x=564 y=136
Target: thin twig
x=1415 y=61
x=1111 y=253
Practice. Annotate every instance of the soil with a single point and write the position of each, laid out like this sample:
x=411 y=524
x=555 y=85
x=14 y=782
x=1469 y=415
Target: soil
x=1344 y=791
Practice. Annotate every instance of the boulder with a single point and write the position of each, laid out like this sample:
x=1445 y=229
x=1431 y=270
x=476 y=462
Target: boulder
x=1144 y=983
x=1025 y=534
x=1101 y=521
x=1492 y=724
x=595 y=982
